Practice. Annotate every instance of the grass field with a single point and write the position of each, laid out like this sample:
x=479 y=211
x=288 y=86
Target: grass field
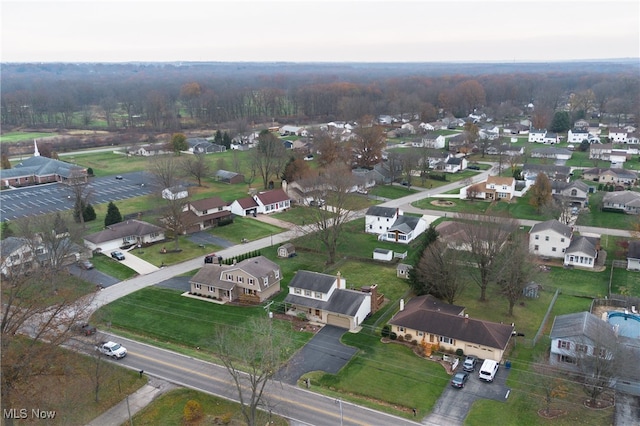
x=24 y=136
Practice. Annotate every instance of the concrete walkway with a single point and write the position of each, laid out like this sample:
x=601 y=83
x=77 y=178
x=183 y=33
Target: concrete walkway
x=128 y=407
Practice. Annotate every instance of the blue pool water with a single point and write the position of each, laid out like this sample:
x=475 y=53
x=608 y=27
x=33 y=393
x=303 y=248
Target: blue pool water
x=628 y=324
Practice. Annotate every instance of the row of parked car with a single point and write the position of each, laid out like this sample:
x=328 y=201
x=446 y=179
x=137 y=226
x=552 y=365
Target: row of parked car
x=487 y=371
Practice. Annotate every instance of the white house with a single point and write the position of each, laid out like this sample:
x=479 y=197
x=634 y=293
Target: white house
x=551 y=138
x=405 y=229
x=273 y=201
x=537 y=135
x=326 y=299
x=177 y=192
x=432 y=140
x=130 y=232
x=577 y=136
x=379 y=219
x=618 y=135
x=582 y=252
x=552 y=152
x=550 y=238
x=455 y=164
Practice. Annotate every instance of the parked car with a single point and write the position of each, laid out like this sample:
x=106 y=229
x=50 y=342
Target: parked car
x=459 y=380
x=118 y=177
x=212 y=258
x=117 y=255
x=85 y=264
x=472 y=167
x=85 y=328
x=488 y=370
x=469 y=364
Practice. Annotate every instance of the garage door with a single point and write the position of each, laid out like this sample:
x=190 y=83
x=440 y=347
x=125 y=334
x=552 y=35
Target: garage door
x=338 y=321
x=471 y=349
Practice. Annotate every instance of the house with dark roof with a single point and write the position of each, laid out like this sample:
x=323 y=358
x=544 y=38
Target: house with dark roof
x=226 y=176
x=551 y=152
x=127 y=233
x=379 y=219
x=252 y=280
x=38 y=170
x=446 y=327
x=574 y=193
x=550 y=239
x=582 y=252
x=623 y=201
x=203 y=146
x=402 y=270
x=267 y=202
x=633 y=256
x=246 y=206
x=205 y=214
x=494 y=188
x=554 y=173
x=325 y=298
x=405 y=229
x=455 y=164
x=20 y=255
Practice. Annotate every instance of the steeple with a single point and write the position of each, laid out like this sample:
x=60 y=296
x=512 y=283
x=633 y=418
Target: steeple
x=36 y=153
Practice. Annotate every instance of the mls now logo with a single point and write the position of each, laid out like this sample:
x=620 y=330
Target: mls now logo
x=23 y=413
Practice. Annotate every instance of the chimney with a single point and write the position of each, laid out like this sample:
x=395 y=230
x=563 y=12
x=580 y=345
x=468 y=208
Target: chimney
x=466 y=318
x=402 y=304
x=339 y=280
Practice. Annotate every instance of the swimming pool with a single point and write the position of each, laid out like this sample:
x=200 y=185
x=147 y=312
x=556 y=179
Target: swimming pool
x=628 y=324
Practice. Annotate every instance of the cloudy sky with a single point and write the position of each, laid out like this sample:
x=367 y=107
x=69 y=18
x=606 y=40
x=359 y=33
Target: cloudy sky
x=318 y=30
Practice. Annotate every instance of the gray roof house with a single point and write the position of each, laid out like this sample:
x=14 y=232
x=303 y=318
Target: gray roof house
x=379 y=219
x=325 y=298
x=583 y=252
x=550 y=238
x=624 y=201
x=203 y=146
x=575 y=193
x=405 y=229
x=126 y=233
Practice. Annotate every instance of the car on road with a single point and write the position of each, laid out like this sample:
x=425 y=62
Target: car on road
x=117 y=255
x=459 y=380
x=112 y=349
x=119 y=177
x=469 y=364
x=85 y=264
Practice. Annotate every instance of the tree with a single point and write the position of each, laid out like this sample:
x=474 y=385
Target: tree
x=438 y=272
x=179 y=143
x=561 y=122
x=368 y=143
x=113 y=215
x=515 y=270
x=550 y=380
x=5 y=164
x=327 y=224
x=165 y=171
x=296 y=169
x=540 y=192
x=484 y=237
x=252 y=355
x=89 y=213
x=329 y=149
x=584 y=146
x=268 y=158
x=173 y=219
x=80 y=193
x=197 y=166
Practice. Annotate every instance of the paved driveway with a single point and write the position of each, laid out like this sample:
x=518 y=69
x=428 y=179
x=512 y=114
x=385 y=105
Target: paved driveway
x=93 y=276
x=454 y=404
x=323 y=352
x=204 y=238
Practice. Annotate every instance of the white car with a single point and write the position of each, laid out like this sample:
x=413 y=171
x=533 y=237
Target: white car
x=112 y=349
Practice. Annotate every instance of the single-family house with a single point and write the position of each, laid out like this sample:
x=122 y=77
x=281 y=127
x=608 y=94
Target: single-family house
x=618 y=157
x=402 y=270
x=574 y=193
x=148 y=150
x=515 y=129
x=577 y=135
x=408 y=128
x=177 y=192
x=246 y=206
x=427 y=127
x=252 y=280
x=633 y=256
x=22 y=255
x=431 y=322
x=273 y=201
x=583 y=251
x=550 y=238
x=379 y=219
x=127 y=233
x=286 y=250
x=551 y=138
x=553 y=172
x=579 y=336
x=537 y=135
x=288 y=130
x=499 y=188
x=600 y=151
x=489 y=132
x=455 y=164
x=204 y=214
x=623 y=201
x=432 y=140
x=326 y=299
x=551 y=152
x=384 y=120
x=581 y=124
x=617 y=134
x=203 y=146
x=229 y=177
x=617 y=177
x=405 y=229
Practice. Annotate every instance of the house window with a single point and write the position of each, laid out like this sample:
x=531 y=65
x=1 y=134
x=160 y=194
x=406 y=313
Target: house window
x=537 y=237
x=211 y=289
x=229 y=277
x=546 y=238
x=553 y=249
x=197 y=286
x=297 y=291
x=276 y=273
x=307 y=292
x=317 y=312
x=249 y=291
x=240 y=279
x=205 y=211
x=401 y=329
x=446 y=340
x=602 y=352
x=581 y=348
x=568 y=359
x=39 y=250
x=15 y=257
x=250 y=281
x=562 y=240
x=266 y=281
x=563 y=344
x=420 y=333
x=318 y=295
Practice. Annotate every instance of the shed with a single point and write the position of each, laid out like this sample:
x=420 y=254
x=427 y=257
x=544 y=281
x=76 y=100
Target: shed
x=531 y=290
x=383 y=254
x=226 y=176
x=402 y=270
x=286 y=250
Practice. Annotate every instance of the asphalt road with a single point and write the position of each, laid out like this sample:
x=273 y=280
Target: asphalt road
x=303 y=407
x=57 y=197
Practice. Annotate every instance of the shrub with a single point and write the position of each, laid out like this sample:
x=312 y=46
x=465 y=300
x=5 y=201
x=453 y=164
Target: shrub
x=393 y=336
x=386 y=330
x=192 y=411
x=459 y=352
x=401 y=338
x=408 y=337
x=302 y=316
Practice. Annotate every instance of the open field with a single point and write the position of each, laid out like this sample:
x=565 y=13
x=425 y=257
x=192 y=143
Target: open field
x=23 y=136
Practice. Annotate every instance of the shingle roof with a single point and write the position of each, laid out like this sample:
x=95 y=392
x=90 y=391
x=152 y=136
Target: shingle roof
x=11 y=244
x=273 y=196
x=346 y=302
x=581 y=324
x=208 y=203
x=621 y=197
x=405 y=224
x=314 y=281
x=382 y=211
x=582 y=244
x=553 y=225
x=123 y=229
x=633 y=252
x=41 y=166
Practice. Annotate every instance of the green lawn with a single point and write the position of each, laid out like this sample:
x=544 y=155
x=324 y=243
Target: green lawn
x=24 y=136
x=604 y=219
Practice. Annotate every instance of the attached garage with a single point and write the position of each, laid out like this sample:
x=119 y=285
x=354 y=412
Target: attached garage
x=339 y=321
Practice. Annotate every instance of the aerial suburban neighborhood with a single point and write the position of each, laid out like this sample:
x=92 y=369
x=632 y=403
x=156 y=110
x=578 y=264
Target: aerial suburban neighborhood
x=464 y=246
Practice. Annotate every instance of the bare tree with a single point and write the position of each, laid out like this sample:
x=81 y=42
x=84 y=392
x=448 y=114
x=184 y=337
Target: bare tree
x=438 y=272
x=551 y=382
x=80 y=193
x=165 y=170
x=252 y=355
x=173 y=218
x=485 y=236
x=327 y=223
x=197 y=166
x=515 y=268
x=269 y=157
x=409 y=163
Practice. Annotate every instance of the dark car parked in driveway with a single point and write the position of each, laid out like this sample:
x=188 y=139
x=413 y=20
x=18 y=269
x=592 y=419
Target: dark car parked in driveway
x=117 y=255
x=459 y=380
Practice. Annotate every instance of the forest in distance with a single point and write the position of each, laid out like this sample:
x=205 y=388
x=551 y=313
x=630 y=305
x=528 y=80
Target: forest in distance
x=173 y=96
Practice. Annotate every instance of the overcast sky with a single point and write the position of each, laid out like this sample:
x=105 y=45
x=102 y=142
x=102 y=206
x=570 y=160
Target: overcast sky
x=318 y=30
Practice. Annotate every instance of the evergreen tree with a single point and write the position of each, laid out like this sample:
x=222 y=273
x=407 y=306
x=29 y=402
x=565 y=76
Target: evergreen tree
x=561 y=122
x=113 y=215
x=89 y=213
x=226 y=140
x=218 y=138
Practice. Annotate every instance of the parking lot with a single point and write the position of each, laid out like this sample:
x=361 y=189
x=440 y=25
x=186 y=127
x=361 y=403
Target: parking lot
x=57 y=197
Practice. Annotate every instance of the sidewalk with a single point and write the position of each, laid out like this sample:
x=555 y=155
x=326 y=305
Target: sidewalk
x=119 y=414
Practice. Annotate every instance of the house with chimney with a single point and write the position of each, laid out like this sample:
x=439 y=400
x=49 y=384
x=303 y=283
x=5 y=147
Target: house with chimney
x=250 y=281
x=441 y=326
x=326 y=299
x=205 y=214
x=267 y=202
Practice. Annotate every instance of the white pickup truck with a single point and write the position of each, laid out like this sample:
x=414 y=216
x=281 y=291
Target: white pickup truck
x=113 y=349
